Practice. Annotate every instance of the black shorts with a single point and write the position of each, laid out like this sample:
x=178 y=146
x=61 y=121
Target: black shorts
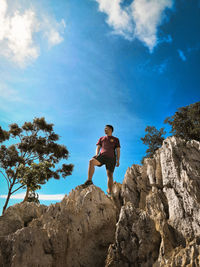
x=109 y=162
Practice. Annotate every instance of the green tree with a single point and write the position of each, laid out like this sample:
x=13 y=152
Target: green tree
x=185 y=122
x=153 y=139
x=32 y=160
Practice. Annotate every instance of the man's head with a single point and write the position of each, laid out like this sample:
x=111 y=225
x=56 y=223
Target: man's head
x=109 y=129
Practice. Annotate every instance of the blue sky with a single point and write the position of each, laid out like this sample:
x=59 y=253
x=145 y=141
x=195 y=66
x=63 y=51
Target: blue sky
x=84 y=64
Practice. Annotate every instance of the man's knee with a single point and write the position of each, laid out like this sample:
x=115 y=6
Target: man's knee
x=93 y=162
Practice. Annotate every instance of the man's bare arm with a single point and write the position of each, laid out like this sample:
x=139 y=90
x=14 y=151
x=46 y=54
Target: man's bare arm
x=118 y=156
x=98 y=150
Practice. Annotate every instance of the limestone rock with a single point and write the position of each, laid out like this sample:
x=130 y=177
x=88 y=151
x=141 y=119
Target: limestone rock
x=19 y=216
x=137 y=242
x=26 y=247
x=75 y=232
x=159 y=222
x=116 y=196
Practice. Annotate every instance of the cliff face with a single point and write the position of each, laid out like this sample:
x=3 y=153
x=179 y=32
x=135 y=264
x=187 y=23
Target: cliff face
x=159 y=222
x=153 y=219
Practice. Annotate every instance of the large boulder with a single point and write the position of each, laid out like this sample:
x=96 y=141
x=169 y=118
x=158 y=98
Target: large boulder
x=19 y=216
x=75 y=232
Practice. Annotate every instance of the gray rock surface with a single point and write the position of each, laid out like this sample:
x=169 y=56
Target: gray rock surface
x=159 y=222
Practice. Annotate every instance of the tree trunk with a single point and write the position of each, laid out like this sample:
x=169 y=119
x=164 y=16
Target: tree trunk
x=9 y=192
x=7 y=199
x=27 y=193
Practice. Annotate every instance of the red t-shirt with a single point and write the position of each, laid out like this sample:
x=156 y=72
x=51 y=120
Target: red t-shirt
x=108 y=145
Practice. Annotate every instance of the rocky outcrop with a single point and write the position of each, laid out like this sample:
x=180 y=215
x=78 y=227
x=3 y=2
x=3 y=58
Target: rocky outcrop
x=75 y=232
x=19 y=216
x=159 y=222
x=153 y=219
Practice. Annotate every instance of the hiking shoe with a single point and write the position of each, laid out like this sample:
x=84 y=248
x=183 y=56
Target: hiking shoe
x=88 y=182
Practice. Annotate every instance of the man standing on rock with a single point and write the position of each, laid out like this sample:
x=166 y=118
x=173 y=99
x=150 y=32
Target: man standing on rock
x=108 y=153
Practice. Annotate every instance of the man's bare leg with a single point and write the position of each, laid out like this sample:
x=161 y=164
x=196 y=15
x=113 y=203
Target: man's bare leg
x=110 y=181
x=92 y=163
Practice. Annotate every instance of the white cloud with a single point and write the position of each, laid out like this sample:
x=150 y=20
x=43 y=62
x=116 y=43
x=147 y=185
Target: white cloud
x=53 y=31
x=54 y=37
x=148 y=15
x=138 y=20
x=118 y=18
x=41 y=197
x=18 y=31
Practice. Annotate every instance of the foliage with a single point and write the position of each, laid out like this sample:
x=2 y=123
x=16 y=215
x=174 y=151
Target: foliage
x=4 y=135
x=153 y=139
x=31 y=161
x=35 y=175
x=185 y=122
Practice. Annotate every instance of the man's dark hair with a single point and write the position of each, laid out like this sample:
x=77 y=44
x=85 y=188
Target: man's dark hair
x=111 y=127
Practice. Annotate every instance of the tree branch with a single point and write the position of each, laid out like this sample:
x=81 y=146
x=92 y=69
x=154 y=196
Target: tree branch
x=3 y=175
x=27 y=157
x=17 y=189
x=31 y=158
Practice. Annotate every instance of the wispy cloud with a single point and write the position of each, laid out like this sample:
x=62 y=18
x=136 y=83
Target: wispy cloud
x=182 y=55
x=9 y=94
x=18 y=31
x=52 y=30
x=148 y=67
x=140 y=19
x=161 y=68
x=41 y=197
